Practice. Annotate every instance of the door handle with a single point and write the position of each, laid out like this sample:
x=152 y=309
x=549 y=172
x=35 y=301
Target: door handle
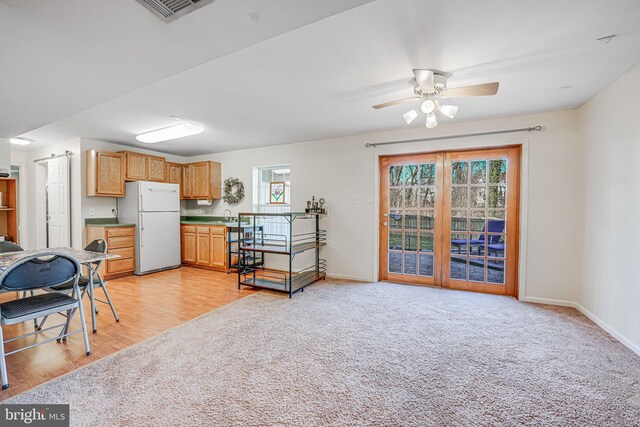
x=385 y=223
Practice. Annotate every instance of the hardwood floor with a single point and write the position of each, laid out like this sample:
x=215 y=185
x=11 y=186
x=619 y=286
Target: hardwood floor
x=146 y=305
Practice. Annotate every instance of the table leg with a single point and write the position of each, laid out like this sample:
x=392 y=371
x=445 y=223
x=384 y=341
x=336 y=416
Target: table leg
x=92 y=273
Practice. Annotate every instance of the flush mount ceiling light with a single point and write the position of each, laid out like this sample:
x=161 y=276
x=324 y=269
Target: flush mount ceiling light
x=172 y=132
x=20 y=141
x=429 y=86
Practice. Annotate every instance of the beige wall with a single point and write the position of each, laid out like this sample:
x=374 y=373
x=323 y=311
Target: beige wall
x=610 y=272
x=342 y=169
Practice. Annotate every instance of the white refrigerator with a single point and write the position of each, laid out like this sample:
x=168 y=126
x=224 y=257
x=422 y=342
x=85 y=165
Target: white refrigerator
x=154 y=208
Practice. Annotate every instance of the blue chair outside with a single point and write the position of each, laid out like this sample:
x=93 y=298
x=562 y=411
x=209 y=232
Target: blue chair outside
x=494 y=226
x=35 y=272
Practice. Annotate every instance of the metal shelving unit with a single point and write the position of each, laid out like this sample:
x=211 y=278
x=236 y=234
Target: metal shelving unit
x=284 y=281
x=241 y=236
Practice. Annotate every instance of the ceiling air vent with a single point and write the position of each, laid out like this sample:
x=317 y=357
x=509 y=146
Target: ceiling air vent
x=170 y=10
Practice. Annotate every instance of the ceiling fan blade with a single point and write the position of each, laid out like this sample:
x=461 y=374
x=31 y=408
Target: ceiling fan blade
x=475 y=90
x=425 y=80
x=396 y=102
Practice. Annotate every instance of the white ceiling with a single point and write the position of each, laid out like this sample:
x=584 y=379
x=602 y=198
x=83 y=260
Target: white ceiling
x=320 y=80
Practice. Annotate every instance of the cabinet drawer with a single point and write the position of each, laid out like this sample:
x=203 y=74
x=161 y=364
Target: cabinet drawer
x=123 y=252
x=217 y=230
x=120 y=242
x=202 y=230
x=188 y=228
x=120 y=265
x=119 y=231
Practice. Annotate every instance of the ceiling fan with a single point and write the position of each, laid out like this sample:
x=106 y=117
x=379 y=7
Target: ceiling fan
x=430 y=86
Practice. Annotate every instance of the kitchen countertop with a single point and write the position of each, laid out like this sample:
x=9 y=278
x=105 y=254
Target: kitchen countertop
x=211 y=220
x=105 y=222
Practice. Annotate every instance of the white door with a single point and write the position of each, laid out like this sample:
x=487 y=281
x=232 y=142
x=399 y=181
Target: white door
x=159 y=197
x=58 y=206
x=158 y=241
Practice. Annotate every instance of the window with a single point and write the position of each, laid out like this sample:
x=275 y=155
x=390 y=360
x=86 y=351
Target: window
x=263 y=177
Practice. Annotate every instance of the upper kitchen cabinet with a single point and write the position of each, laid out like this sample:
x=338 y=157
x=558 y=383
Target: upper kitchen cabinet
x=202 y=180
x=174 y=173
x=156 y=168
x=105 y=173
x=136 y=166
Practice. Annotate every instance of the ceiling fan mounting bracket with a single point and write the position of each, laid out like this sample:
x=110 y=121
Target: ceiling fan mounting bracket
x=439 y=84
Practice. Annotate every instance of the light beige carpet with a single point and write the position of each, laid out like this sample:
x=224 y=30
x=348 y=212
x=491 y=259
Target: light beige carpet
x=363 y=354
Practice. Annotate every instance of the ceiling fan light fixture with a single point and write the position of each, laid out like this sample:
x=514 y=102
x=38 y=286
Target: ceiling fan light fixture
x=432 y=121
x=449 y=110
x=172 y=132
x=428 y=106
x=410 y=116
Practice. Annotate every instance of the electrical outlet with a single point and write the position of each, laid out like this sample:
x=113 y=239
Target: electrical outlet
x=92 y=212
x=355 y=199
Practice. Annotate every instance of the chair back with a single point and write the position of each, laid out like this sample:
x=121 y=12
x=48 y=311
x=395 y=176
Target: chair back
x=9 y=247
x=494 y=226
x=38 y=271
x=98 y=245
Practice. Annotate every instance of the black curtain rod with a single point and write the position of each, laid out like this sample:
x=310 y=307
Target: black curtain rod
x=464 y=135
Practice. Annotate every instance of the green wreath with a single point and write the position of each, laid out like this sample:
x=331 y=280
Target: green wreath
x=233 y=191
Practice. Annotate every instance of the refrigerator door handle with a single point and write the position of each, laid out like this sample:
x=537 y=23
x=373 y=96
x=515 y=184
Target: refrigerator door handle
x=141 y=230
x=163 y=190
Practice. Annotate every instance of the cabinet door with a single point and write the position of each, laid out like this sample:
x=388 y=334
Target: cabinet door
x=157 y=168
x=174 y=173
x=203 y=246
x=200 y=180
x=218 y=247
x=185 y=188
x=189 y=252
x=109 y=174
x=136 y=166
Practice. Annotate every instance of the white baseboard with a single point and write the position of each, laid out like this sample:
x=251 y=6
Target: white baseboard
x=550 y=301
x=611 y=331
x=347 y=277
x=595 y=319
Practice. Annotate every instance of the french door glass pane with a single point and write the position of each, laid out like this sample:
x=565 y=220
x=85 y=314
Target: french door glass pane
x=411 y=219
x=478 y=213
x=458 y=268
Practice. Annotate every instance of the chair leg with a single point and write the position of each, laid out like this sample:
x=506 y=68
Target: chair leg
x=113 y=309
x=3 y=363
x=84 y=328
x=39 y=327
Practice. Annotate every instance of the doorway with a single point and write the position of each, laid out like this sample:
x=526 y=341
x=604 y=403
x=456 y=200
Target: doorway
x=450 y=219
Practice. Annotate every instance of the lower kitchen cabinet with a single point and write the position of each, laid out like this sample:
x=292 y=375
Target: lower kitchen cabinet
x=120 y=241
x=204 y=246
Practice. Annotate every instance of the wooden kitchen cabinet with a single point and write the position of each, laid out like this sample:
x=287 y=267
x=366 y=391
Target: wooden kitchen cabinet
x=174 y=173
x=218 y=247
x=204 y=246
x=189 y=244
x=156 y=167
x=105 y=173
x=136 y=166
x=202 y=180
x=120 y=241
